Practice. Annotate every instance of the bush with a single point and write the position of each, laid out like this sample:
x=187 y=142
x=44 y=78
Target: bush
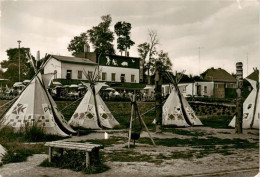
x=76 y=161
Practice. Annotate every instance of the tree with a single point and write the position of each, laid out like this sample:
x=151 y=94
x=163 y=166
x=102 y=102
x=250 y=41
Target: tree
x=76 y=45
x=102 y=37
x=122 y=30
x=164 y=61
x=143 y=50
x=12 y=66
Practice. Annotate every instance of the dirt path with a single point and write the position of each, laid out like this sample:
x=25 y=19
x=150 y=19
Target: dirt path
x=243 y=163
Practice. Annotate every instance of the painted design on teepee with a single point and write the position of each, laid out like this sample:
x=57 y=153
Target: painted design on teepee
x=19 y=108
x=251 y=104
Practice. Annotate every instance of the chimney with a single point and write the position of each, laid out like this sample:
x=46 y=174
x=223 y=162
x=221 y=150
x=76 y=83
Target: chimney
x=38 y=55
x=86 y=48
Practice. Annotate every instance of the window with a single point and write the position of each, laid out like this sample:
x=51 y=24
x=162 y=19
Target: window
x=55 y=74
x=216 y=85
x=113 y=77
x=205 y=89
x=79 y=74
x=122 y=78
x=69 y=74
x=104 y=76
x=132 y=78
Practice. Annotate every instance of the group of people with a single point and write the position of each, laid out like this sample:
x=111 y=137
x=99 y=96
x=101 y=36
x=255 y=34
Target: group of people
x=126 y=95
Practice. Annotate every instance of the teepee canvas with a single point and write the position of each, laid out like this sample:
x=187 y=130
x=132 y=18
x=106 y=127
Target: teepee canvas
x=176 y=109
x=2 y=152
x=92 y=112
x=251 y=113
x=35 y=107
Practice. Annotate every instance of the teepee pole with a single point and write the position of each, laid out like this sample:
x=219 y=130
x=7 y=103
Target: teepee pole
x=138 y=113
x=131 y=120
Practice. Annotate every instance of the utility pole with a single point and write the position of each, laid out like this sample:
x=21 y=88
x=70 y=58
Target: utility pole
x=239 y=101
x=199 y=48
x=19 y=59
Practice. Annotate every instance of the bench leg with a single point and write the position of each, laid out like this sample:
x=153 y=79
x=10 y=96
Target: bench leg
x=61 y=152
x=87 y=159
x=96 y=155
x=50 y=153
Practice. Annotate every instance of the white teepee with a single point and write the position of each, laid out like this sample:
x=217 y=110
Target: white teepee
x=251 y=113
x=92 y=112
x=176 y=109
x=2 y=152
x=36 y=107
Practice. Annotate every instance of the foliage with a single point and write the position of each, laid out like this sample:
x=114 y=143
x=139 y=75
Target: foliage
x=76 y=160
x=12 y=65
x=76 y=45
x=102 y=37
x=217 y=121
x=122 y=30
x=162 y=62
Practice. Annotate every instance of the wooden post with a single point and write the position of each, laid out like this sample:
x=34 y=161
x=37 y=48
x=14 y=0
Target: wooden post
x=50 y=154
x=87 y=159
x=239 y=101
x=146 y=128
x=131 y=120
x=158 y=97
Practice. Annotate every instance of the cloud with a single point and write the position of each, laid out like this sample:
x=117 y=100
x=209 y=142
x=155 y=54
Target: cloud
x=224 y=32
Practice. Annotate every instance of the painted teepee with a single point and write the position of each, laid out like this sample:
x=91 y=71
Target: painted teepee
x=251 y=112
x=35 y=107
x=92 y=112
x=176 y=109
x=2 y=152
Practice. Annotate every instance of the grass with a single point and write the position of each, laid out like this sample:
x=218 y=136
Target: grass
x=178 y=131
x=107 y=142
x=76 y=161
x=216 y=121
x=16 y=143
x=201 y=142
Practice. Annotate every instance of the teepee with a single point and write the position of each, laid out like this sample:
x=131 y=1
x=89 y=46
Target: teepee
x=92 y=112
x=251 y=113
x=2 y=152
x=35 y=107
x=176 y=109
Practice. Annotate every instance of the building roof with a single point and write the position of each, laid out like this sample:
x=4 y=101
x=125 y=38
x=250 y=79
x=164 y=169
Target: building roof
x=218 y=75
x=254 y=75
x=74 y=60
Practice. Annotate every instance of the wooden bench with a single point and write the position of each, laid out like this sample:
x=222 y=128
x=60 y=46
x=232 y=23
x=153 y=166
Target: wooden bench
x=92 y=150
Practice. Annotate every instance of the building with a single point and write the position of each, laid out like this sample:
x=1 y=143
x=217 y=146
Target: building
x=115 y=68
x=65 y=67
x=224 y=83
x=197 y=88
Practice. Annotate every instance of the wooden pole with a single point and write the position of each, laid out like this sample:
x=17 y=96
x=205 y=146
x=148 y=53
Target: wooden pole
x=131 y=120
x=138 y=113
x=158 y=97
x=239 y=101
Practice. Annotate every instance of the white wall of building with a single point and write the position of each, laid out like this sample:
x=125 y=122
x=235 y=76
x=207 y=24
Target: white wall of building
x=61 y=69
x=207 y=88
x=118 y=71
x=75 y=68
x=53 y=65
x=188 y=89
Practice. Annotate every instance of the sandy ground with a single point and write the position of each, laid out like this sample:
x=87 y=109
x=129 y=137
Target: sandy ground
x=244 y=163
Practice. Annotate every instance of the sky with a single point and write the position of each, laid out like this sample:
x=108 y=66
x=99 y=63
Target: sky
x=197 y=34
